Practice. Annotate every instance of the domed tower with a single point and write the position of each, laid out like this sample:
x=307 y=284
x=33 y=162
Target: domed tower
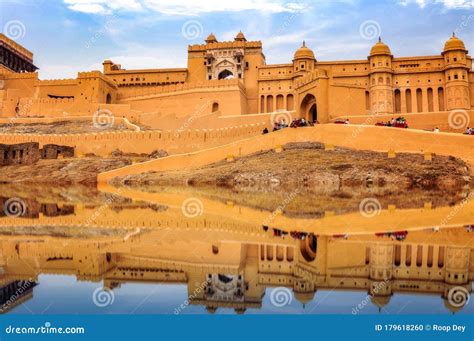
x=240 y=37
x=456 y=72
x=303 y=291
x=211 y=38
x=457 y=265
x=381 y=264
x=457 y=287
x=380 y=79
x=303 y=60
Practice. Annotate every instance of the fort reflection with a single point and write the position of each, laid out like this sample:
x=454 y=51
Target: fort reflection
x=227 y=260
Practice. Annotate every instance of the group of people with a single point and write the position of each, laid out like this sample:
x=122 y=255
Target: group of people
x=300 y=122
x=399 y=122
x=469 y=131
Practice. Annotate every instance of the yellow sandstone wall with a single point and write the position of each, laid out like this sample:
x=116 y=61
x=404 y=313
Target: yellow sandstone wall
x=445 y=121
x=380 y=139
x=173 y=142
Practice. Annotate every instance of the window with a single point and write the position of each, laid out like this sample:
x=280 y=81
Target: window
x=456 y=76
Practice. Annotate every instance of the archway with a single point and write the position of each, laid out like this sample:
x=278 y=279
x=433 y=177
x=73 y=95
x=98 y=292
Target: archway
x=108 y=99
x=309 y=108
x=225 y=74
x=309 y=247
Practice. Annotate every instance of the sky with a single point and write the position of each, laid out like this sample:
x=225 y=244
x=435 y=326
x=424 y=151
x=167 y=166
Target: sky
x=69 y=36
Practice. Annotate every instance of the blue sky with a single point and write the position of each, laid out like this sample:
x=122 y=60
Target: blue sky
x=68 y=36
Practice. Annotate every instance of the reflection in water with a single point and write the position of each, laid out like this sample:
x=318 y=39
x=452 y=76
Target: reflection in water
x=227 y=258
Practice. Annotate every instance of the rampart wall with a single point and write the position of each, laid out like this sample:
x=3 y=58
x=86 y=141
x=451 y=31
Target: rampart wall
x=358 y=137
x=174 y=142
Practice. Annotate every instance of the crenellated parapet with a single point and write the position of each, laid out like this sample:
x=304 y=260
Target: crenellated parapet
x=225 y=45
x=56 y=82
x=96 y=75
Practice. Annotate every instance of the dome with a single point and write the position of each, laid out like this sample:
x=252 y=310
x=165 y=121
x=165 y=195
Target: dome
x=211 y=38
x=304 y=52
x=240 y=37
x=380 y=301
x=380 y=48
x=211 y=310
x=454 y=44
x=240 y=311
x=304 y=297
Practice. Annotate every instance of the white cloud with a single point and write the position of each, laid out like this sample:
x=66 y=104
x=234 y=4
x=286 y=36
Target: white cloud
x=102 y=6
x=183 y=7
x=449 y=4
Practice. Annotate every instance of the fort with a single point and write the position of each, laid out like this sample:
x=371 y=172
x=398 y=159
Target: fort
x=231 y=78
x=224 y=98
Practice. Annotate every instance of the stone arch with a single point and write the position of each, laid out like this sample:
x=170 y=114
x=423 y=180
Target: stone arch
x=225 y=74
x=309 y=108
x=441 y=99
x=269 y=103
x=429 y=93
x=309 y=247
x=398 y=101
x=108 y=98
x=279 y=102
x=289 y=102
x=408 y=100
x=215 y=107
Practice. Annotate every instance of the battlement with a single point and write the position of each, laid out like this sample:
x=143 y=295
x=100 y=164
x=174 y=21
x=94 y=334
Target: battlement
x=96 y=74
x=103 y=143
x=225 y=45
x=64 y=81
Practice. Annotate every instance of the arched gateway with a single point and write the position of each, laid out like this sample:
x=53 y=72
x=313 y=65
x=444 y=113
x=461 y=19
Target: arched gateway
x=309 y=108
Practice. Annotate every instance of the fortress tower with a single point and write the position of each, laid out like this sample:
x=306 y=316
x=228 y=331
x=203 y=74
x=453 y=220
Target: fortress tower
x=380 y=78
x=303 y=61
x=456 y=72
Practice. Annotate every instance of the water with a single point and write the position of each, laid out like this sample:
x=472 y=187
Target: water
x=80 y=250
